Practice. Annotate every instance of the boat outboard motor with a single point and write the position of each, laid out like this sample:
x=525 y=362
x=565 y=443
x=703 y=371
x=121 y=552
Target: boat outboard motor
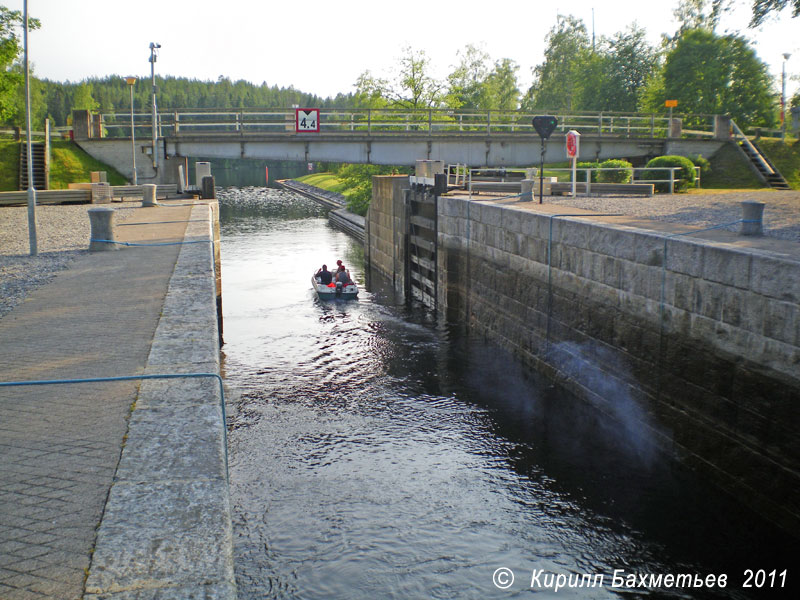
x=339 y=288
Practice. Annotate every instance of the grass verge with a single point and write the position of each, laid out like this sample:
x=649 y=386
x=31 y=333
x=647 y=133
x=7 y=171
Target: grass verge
x=325 y=181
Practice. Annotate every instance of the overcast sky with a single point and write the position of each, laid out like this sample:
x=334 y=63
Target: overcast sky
x=322 y=47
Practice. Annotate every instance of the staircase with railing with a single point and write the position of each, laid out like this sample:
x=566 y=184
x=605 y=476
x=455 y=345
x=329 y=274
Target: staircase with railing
x=39 y=154
x=761 y=164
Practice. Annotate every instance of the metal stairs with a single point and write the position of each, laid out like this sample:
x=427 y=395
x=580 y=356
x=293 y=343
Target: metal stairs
x=39 y=154
x=769 y=173
x=758 y=161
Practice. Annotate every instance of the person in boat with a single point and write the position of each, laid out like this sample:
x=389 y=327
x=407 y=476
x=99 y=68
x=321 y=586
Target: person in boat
x=325 y=276
x=342 y=275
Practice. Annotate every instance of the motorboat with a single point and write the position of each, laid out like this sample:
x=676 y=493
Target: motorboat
x=334 y=290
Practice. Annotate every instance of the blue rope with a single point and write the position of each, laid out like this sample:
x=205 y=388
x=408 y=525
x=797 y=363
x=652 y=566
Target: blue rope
x=153 y=244
x=138 y=377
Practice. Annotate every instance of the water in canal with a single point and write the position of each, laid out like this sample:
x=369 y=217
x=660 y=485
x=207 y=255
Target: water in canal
x=378 y=453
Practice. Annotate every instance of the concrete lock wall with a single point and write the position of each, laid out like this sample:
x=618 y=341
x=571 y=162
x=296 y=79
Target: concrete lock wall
x=708 y=369
x=386 y=228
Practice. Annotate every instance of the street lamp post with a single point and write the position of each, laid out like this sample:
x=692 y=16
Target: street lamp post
x=786 y=56
x=32 y=238
x=131 y=82
x=153 y=56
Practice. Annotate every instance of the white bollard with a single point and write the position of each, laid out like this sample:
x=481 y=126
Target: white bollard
x=102 y=222
x=149 y=195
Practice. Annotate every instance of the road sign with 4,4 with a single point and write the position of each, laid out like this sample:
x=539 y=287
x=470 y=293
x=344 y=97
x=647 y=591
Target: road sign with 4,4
x=306 y=119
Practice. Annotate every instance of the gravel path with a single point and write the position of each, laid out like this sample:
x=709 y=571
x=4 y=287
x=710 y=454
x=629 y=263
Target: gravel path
x=62 y=234
x=781 y=213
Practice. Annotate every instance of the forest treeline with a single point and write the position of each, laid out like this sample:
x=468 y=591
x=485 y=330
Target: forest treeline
x=706 y=72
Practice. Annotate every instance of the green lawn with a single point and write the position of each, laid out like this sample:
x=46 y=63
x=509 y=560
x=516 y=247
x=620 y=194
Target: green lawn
x=70 y=164
x=325 y=181
x=786 y=157
x=9 y=165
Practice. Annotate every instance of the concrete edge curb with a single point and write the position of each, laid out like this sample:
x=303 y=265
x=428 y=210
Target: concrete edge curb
x=167 y=526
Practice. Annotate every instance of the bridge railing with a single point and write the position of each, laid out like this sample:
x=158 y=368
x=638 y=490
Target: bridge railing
x=387 y=121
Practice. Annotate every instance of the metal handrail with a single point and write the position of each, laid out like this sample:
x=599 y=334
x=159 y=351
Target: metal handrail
x=587 y=170
x=740 y=136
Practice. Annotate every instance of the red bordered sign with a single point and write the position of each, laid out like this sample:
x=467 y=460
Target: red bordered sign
x=306 y=120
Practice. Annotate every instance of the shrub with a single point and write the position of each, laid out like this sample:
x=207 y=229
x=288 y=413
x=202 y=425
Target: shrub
x=705 y=166
x=581 y=175
x=684 y=179
x=623 y=175
x=359 y=198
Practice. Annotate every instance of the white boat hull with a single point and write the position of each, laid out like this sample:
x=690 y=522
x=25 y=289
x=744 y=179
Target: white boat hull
x=333 y=291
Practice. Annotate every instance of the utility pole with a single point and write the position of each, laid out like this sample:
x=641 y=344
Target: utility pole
x=153 y=56
x=32 y=241
x=131 y=82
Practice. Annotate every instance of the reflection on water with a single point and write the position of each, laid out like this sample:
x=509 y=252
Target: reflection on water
x=376 y=453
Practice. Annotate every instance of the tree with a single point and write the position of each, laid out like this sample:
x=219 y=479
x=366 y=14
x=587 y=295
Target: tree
x=711 y=74
x=466 y=84
x=575 y=76
x=615 y=77
x=371 y=91
x=11 y=78
x=82 y=98
x=762 y=9
x=472 y=85
x=696 y=14
x=415 y=88
x=502 y=92
x=557 y=79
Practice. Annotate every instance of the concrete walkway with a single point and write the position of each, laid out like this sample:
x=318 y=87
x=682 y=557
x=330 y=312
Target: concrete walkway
x=60 y=445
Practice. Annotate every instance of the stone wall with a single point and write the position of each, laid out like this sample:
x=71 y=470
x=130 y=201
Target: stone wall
x=696 y=351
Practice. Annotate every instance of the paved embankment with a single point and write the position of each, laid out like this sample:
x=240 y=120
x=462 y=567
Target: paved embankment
x=339 y=217
x=702 y=208
x=115 y=490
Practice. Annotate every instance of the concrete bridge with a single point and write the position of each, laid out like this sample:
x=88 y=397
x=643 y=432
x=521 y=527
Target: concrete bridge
x=383 y=136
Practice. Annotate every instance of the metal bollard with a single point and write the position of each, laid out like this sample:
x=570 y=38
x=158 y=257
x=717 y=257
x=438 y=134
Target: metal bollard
x=102 y=222
x=149 y=195
x=752 y=217
x=207 y=188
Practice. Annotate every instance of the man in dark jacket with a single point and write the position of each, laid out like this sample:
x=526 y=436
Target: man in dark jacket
x=324 y=275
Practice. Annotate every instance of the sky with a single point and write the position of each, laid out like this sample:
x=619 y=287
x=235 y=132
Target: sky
x=321 y=47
